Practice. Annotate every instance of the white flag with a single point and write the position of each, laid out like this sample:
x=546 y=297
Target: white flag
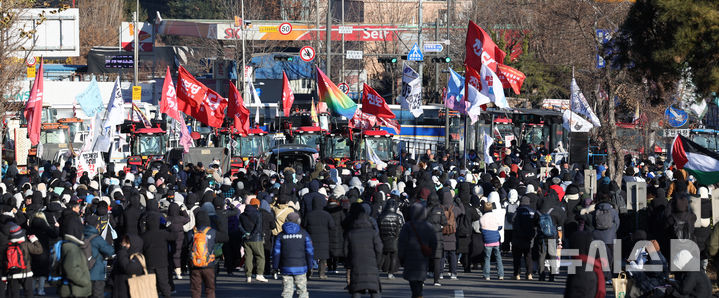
x=114 y=115
x=372 y=157
x=579 y=104
x=488 y=141
x=575 y=123
x=411 y=96
x=492 y=87
x=255 y=100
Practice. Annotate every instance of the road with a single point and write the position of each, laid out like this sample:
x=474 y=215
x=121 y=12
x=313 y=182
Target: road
x=468 y=285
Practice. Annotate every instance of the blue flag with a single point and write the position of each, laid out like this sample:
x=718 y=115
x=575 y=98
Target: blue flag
x=455 y=92
x=90 y=100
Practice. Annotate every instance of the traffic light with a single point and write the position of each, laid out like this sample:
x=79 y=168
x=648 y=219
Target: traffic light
x=441 y=60
x=283 y=57
x=387 y=60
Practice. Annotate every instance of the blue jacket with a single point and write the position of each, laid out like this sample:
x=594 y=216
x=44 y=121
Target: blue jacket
x=293 y=251
x=100 y=251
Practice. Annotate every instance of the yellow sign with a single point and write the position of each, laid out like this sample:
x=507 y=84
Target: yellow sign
x=268 y=29
x=31 y=72
x=136 y=93
x=238 y=21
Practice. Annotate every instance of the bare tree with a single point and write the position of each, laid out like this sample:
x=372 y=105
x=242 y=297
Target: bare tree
x=99 y=21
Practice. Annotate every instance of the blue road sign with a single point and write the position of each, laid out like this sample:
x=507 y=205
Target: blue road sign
x=676 y=117
x=433 y=47
x=415 y=54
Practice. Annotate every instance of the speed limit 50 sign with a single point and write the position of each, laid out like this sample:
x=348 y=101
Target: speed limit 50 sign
x=285 y=28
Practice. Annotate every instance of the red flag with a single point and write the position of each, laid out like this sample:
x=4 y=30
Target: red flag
x=191 y=92
x=168 y=102
x=481 y=49
x=510 y=77
x=212 y=109
x=239 y=113
x=391 y=123
x=287 y=97
x=361 y=120
x=374 y=104
x=33 y=108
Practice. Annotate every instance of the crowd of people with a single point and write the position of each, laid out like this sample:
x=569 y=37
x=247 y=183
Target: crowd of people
x=420 y=218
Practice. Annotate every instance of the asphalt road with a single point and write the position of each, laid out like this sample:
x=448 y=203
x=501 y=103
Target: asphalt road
x=468 y=285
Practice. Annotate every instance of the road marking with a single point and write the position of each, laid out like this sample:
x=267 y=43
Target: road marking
x=458 y=293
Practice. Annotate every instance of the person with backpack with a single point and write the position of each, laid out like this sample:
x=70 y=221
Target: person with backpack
x=292 y=256
x=99 y=249
x=551 y=220
x=390 y=225
x=47 y=234
x=449 y=239
x=605 y=221
x=464 y=225
x=510 y=206
x=18 y=269
x=524 y=222
x=679 y=222
x=416 y=244
x=202 y=269
x=253 y=240
x=73 y=263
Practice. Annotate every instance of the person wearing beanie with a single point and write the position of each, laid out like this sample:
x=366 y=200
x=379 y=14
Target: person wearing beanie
x=203 y=275
x=75 y=269
x=155 y=243
x=250 y=226
x=293 y=255
x=100 y=250
x=27 y=245
x=177 y=218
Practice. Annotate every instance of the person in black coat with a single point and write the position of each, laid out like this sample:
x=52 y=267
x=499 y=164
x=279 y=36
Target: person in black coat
x=46 y=234
x=416 y=233
x=436 y=217
x=363 y=249
x=390 y=224
x=551 y=202
x=525 y=229
x=177 y=218
x=336 y=233
x=268 y=224
x=125 y=266
x=307 y=204
x=318 y=224
x=155 y=248
x=131 y=216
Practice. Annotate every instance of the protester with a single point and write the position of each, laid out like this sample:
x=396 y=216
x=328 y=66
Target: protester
x=417 y=243
x=292 y=256
x=202 y=271
x=390 y=225
x=251 y=223
x=491 y=223
x=364 y=248
x=101 y=250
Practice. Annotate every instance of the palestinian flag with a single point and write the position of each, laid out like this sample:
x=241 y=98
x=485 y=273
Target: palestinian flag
x=698 y=161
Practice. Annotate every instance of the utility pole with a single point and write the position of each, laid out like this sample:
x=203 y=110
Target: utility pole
x=328 y=39
x=137 y=43
x=342 y=75
x=317 y=25
x=242 y=26
x=419 y=43
x=436 y=65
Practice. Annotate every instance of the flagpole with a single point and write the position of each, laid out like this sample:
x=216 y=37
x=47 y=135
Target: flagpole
x=571 y=113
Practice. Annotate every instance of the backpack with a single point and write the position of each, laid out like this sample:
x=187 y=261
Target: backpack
x=55 y=275
x=87 y=250
x=201 y=253
x=451 y=226
x=682 y=230
x=15 y=259
x=603 y=219
x=619 y=201
x=546 y=225
x=464 y=225
x=523 y=220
